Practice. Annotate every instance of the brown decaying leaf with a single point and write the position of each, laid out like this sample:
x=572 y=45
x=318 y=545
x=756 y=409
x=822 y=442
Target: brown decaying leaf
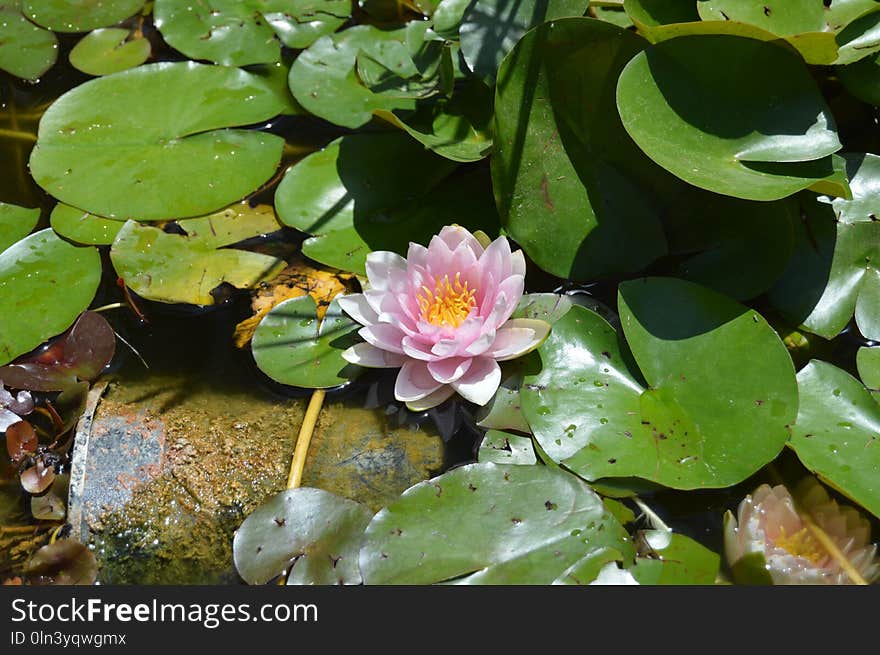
x=21 y=439
x=300 y=278
x=64 y=562
x=38 y=477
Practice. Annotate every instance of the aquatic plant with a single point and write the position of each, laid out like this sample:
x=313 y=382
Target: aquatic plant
x=812 y=540
x=442 y=315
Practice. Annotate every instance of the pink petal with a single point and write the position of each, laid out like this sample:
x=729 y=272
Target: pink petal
x=509 y=292
x=432 y=399
x=455 y=235
x=416 y=349
x=517 y=337
x=481 y=381
x=356 y=306
x=458 y=339
x=438 y=259
x=416 y=255
x=414 y=382
x=482 y=343
x=384 y=336
x=363 y=354
x=380 y=264
x=449 y=370
x=496 y=259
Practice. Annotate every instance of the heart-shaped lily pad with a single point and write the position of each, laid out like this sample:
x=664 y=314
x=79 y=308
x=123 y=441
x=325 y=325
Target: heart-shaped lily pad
x=860 y=39
x=46 y=284
x=16 y=223
x=318 y=532
x=119 y=146
x=832 y=275
x=79 y=15
x=489 y=524
x=571 y=186
x=675 y=99
x=292 y=346
x=26 y=50
x=242 y=32
x=718 y=392
x=173 y=268
x=836 y=433
x=491 y=28
x=109 y=50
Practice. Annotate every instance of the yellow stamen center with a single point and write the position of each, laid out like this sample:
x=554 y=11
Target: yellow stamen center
x=449 y=303
x=802 y=544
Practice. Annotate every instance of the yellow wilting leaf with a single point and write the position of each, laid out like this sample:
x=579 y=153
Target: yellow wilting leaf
x=300 y=278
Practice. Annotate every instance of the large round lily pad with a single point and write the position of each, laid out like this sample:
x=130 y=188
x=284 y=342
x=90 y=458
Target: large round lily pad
x=120 y=146
x=26 y=50
x=571 y=186
x=836 y=433
x=675 y=100
x=292 y=346
x=46 y=284
x=318 y=532
x=237 y=33
x=79 y=15
x=705 y=403
x=82 y=227
x=489 y=524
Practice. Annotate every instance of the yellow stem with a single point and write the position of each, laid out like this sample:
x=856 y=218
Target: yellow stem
x=829 y=545
x=294 y=479
x=17 y=134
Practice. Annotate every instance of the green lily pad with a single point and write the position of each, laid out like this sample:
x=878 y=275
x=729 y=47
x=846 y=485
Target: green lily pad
x=46 y=284
x=832 y=275
x=292 y=346
x=868 y=363
x=238 y=33
x=345 y=77
x=788 y=17
x=489 y=524
x=16 y=223
x=719 y=234
x=656 y=13
x=678 y=560
x=860 y=39
x=614 y=15
x=448 y=17
x=26 y=50
x=79 y=15
x=173 y=268
x=674 y=99
x=591 y=412
x=836 y=433
x=862 y=79
x=108 y=50
x=119 y=146
x=491 y=28
x=506 y=448
x=317 y=532
x=352 y=179
x=571 y=186
x=82 y=227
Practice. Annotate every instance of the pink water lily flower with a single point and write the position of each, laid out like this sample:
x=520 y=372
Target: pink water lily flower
x=811 y=541
x=442 y=315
